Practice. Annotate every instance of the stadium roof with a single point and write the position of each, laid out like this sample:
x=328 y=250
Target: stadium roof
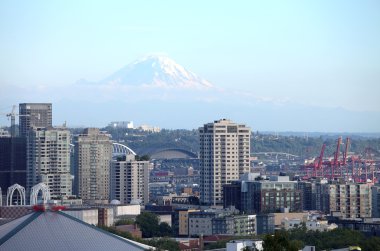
x=57 y=231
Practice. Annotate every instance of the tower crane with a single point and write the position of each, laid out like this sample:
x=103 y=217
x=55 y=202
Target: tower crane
x=13 y=115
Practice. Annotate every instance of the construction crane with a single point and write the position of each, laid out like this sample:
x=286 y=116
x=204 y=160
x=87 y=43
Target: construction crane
x=13 y=115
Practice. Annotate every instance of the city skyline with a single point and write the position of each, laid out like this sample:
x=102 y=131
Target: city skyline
x=276 y=66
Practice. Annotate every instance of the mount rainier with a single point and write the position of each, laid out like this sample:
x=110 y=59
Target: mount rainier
x=156 y=71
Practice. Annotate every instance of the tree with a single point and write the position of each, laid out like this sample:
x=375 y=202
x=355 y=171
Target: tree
x=124 y=222
x=159 y=244
x=149 y=224
x=113 y=230
x=164 y=244
x=165 y=229
x=280 y=242
x=151 y=227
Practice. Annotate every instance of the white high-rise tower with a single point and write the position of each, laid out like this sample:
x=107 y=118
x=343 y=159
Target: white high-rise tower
x=93 y=155
x=224 y=155
x=48 y=160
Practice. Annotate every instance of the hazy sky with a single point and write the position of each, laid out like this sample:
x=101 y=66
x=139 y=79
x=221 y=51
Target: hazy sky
x=320 y=53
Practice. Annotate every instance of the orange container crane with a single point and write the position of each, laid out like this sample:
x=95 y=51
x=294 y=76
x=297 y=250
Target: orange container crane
x=336 y=158
x=345 y=156
x=320 y=160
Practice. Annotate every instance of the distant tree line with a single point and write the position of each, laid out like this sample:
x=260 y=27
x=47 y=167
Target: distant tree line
x=146 y=142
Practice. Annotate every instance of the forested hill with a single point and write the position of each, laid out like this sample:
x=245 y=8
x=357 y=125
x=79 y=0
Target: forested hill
x=146 y=142
x=311 y=146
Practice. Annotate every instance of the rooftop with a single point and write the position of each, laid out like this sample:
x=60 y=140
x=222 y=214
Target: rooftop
x=52 y=230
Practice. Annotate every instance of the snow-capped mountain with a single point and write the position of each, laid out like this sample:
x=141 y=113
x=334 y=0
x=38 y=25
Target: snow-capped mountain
x=156 y=71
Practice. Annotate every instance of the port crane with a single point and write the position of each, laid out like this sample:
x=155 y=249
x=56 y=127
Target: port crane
x=353 y=167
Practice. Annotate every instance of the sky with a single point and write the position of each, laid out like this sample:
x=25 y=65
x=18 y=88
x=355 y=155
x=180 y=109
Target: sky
x=323 y=54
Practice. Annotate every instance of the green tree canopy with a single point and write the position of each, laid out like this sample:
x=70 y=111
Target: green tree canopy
x=149 y=224
x=165 y=229
x=151 y=227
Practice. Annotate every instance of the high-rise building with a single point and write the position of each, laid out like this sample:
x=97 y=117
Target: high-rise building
x=232 y=195
x=322 y=196
x=210 y=222
x=375 y=200
x=351 y=200
x=129 y=180
x=180 y=221
x=34 y=115
x=224 y=155
x=308 y=194
x=239 y=225
x=48 y=160
x=265 y=224
x=258 y=195
x=93 y=156
x=12 y=161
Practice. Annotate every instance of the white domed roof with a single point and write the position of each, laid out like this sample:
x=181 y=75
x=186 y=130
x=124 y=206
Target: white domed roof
x=115 y=202
x=135 y=202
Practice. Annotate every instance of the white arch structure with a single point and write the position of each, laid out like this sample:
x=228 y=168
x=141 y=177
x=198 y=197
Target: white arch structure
x=20 y=190
x=34 y=193
x=119 y=149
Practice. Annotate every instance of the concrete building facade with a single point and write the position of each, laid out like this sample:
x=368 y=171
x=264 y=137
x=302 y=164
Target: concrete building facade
x=375 y=200
x=265 y=224
x=48 y=160
x=322 y=196
x=352 y=200
x=308 y=194
x=278 y=194
x=130 y=181
x=259 y=195
x=121 y=124
x=201 y=223
x=34 y=115
x=238 y=245
x=88 y=215
x=239 y=225
x=93 y=155
x=180 y=221
x=224 y=156
x=218 y=223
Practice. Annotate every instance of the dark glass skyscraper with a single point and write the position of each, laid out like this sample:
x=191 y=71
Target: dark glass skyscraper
x=34 y=114
x=12 y=162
